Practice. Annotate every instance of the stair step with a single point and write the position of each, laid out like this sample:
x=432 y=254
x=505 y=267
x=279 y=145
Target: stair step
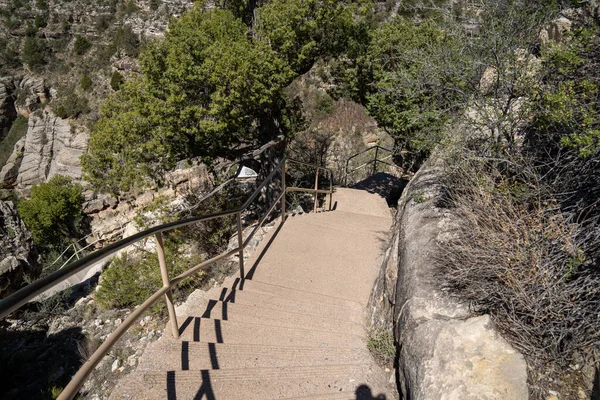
x=253 y=384
x=272 y=302
x=249 y=313
x=300 y=295
x=174 y=355
x=218 y=331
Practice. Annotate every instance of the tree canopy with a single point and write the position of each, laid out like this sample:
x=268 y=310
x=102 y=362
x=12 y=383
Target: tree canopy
x=212 y=87
x=205 y=90
x=53 y=212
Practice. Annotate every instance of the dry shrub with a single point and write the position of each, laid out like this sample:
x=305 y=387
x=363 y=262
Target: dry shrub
x=516 y=256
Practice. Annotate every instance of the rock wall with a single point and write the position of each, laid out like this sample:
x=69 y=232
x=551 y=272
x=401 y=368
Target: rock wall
x=443 y=351
x=17 y=252
x=50 y=148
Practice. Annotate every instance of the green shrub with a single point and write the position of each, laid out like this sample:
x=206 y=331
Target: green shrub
x=116 y=80
x=53 y=213
x=81 y=45
x=131 y=278
x=41 y=21
x=125 y=40
x=129 y=8
x=71 y=105
x=86 y=82
x=34 y=53
x=380 y=343
x=9 y=57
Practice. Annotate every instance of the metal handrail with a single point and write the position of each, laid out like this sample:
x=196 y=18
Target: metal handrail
x=374 y=161
x=19 y=298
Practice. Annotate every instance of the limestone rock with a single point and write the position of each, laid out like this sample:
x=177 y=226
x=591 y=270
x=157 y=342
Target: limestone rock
x=488 y=80
x=32 y=91
x=443 y=354
x=556 y=30
x=10 y=171
x=18 y=255
x=50 y=148
x=127 y=64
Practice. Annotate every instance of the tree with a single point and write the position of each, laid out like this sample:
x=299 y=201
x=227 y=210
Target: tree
x=81 y=45
x=34 y=53
x=86 y=82
x=417 y=73
x=302 y=31
x=116 y=80
x=206 y=90
x=53 y=211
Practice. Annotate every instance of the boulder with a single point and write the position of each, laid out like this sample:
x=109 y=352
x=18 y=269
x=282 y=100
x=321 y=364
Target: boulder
x=488 y=80
x=444 y=352
x=556 y=30
x=18 y=256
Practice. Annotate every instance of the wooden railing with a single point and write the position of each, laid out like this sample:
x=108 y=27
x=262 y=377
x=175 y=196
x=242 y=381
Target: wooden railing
x=19 y=298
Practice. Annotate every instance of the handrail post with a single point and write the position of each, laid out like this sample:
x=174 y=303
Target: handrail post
x=346 y=173
x=241 y=246
x=160 y=251
x=316 y=188
x=284 y=189
x=375 y=162
x=330 y=189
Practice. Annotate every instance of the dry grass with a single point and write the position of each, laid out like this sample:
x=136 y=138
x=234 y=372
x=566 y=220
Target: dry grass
x=517 y=257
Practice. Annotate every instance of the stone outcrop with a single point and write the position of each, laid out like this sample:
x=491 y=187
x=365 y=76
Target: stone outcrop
x=17 y=252
x=111 y=219
x=32 y=91
x=556 y=30
x=444 y=352
x=50 y=148
x=10 y=170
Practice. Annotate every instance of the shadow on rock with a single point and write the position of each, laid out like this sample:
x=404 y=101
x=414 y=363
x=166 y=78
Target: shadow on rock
x=387 y=186
x=32 y=362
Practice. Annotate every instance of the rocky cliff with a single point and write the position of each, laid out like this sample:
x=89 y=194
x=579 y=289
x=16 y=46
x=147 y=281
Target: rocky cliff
x=52 y=146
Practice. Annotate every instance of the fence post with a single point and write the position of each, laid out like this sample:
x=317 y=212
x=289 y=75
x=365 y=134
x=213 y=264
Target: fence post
x=160 y=251
x=375 y=162
x=284 y=189
x=316 y=188
x=241 y=246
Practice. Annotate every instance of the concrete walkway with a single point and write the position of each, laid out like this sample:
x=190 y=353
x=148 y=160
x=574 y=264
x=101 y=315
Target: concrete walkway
x=294 y=329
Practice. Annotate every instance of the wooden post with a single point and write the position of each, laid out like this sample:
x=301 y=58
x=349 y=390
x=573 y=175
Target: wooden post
x=160 y=251
x=316 y=188
x=284 y=188
x=375 y=162
x=241 y=246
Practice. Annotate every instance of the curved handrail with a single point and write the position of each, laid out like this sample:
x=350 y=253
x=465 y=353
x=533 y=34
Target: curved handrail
x=22 y=296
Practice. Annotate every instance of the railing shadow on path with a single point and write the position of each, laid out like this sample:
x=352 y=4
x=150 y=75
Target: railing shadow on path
x=228 y=295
